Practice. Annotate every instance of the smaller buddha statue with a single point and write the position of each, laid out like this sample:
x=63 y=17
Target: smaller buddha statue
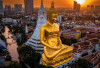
x=55 y=53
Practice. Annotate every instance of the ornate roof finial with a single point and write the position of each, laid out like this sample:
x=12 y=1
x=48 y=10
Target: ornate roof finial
x=41 y=2
x=41 y=7
x=52 y=4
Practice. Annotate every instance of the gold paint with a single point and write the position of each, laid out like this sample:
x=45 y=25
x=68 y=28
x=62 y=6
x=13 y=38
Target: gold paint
x=55 y=53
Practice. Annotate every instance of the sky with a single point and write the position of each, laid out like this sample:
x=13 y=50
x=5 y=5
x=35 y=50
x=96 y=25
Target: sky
x=47 y=3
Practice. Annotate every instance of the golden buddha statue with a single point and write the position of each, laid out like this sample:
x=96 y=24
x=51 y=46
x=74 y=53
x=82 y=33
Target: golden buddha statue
x=55 y=53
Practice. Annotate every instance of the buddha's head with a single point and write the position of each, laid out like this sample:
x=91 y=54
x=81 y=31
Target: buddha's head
x=52 y=16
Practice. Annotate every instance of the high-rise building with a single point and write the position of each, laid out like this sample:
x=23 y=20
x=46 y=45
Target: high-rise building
x=28 y=6
x=34 y=41
x=18 y=7
x=90 y=8
x=76 y=7
x=7 y=8
x=1 y=8
x=97 y=8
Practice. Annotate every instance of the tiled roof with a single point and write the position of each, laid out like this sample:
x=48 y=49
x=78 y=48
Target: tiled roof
x=81 y=46
x=94 y=41
x=29 y=35
x=93 y=58
x=93 y=35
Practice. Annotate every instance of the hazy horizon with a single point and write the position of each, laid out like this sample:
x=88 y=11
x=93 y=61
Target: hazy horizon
x=47 y=3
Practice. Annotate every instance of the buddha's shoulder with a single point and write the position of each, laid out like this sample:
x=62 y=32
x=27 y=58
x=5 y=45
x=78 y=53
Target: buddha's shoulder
x=56 y=24
x=44 y=26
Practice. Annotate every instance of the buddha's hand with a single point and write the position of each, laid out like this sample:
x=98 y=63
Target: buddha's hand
x=56 y=47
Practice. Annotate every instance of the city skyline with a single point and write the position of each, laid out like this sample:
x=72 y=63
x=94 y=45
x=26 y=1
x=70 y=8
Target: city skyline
x=61 y=3
x=49 y=33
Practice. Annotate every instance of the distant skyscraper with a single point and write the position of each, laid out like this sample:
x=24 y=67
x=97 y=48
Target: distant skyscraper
x=28 y=6
x=76 y=7
x=7 y=8
x=97 y=8
x=90 y=8
x=1 y=8
x=18 y=7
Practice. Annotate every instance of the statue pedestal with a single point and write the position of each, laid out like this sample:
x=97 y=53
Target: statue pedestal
x=66 y=64
x=63 y=65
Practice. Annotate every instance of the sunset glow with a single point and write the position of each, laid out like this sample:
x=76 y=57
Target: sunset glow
x=80 y=1
x=58 y=3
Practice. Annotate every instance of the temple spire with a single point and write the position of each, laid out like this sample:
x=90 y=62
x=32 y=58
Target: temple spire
x=41 y=7
x=41 y=2
x=34 y=41
x=42 y=10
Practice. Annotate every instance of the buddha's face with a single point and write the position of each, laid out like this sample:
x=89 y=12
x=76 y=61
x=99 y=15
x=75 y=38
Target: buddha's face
x=52 y=18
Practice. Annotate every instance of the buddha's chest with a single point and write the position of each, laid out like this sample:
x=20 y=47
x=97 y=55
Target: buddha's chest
x=52 y=32
x=52 y=29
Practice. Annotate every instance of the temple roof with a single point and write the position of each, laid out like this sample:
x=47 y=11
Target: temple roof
x=41 y=7
x=93 y=58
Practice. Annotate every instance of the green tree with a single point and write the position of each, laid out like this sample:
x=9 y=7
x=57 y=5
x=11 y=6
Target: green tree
x=8 y=58
x=12 y=64
x=68 y=41
x=27 y=55
x=21 y=39
x=83 y=64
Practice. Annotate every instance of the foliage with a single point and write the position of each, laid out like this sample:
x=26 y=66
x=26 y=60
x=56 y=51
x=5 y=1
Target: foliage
x=1 y=51
x=8 y=58
x=68 y=41
x=2 y=30
x=13 y=64
x=29 y=56
x=21 y=39
x=23 y=50
x=3 y=38
x=83 y=64
x=20 y=30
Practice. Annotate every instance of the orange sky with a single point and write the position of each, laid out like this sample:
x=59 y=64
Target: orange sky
x=58 y=3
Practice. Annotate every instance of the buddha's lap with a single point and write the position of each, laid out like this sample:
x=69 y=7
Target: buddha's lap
x=52 y=53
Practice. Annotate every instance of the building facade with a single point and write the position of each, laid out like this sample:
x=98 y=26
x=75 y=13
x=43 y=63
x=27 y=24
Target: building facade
x=28 y=6
x=90 y=8
x=1 y=8
x=76 y=7
x=7 y=8
x=97 y=8
x=18 y=7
